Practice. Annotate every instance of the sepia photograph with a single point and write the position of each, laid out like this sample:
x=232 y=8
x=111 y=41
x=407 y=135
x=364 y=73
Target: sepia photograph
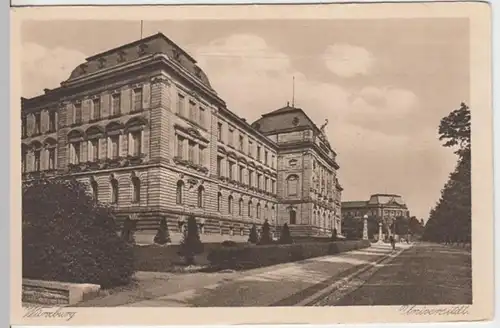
x=271 y=161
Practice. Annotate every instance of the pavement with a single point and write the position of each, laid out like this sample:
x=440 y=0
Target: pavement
x=279 y=285
x=424 y=274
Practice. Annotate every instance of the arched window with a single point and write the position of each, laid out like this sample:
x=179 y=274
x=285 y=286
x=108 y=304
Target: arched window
x=240 y=207
x=266 y=212
x=219 y=201
x=291 y=183
x=230 y=204
x=114 y=191
x=136 y=190
x=95 y=190
x=249 y=208
x=200 y=196
x=180 y=186
x=293 y=216
x=258 y=210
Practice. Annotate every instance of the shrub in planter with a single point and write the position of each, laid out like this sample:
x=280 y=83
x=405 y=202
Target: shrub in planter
x=285 y=237
x=253 y=237
x=191 y=244
x=162 y=235
x=67 y=236
x=265 y=237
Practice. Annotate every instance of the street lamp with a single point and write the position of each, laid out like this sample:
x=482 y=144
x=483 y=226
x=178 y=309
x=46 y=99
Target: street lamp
x=365 y=227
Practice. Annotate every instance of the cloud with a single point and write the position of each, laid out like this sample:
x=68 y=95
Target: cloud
x=46 y=68
x=345 y=60
x=376 y=150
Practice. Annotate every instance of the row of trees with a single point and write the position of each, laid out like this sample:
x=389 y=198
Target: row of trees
x=450 y=220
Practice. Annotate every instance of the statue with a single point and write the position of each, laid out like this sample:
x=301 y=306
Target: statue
x=322 y=128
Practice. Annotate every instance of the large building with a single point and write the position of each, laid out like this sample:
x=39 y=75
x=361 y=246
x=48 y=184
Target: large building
x=142 y=125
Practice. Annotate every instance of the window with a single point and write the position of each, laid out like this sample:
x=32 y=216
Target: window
x=293 y=216
x=273 y=158
x=230 y=137
x=115 y=146
x=201 y=155
x=38 y=123
x=249 y=209
x=258 y=210
x=258 y=153
x=258 y=180
x=136 y=190
x=180 y=186
x=230 y=170
x=240 y=207
x=96 y=108
x=266 y=182
x=240 y=140
x=180 y=104
x=241 y=173
x=52 y=120
x=266 y=154
x=75 y=152
x=192 y=111
x=292 y=182
x=180 y=147
x=78 y=114
x=52 y=157
x=136 y=140
x=191 y=151
x=219 y=201
x=273 y=186
x=114 y=191
x=24 y=132
x=94 y=150
x=219 y=165
x=200 y=197
x=95 y=190
x=137 y=106
x=115 y=104
x=24 y=158
x=202 y=117
x=250 y=178
x=219 y=131
x=250 y=146
x=36 y=154
x=230 y=204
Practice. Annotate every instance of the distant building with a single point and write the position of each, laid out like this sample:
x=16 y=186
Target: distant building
x=379 y=205
x=143 y=127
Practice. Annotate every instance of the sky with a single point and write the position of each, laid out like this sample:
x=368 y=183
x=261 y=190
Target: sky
x=383 y=84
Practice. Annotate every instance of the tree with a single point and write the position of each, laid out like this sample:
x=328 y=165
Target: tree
x=253 y=237
x=450 y=220
x=265 y=236
x=334 y=234
x=285 y=236
x=191 y=244
x=162 y=235
x=67 y=236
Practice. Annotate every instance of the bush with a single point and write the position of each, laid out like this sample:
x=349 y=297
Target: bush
x=162 y=235
x=252 y=256
x=69 y=237
x=229 y=243
x=128 y=230
x=285 y=237
x=191 y=244
x=334 y=234
x=253 y=237
x=265 y=237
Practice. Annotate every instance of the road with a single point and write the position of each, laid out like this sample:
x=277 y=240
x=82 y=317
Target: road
x=423 y=274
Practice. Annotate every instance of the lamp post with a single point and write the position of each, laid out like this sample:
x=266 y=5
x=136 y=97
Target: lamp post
x=365 y=227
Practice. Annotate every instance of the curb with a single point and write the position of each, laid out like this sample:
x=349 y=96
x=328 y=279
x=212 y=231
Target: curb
x=342 y=284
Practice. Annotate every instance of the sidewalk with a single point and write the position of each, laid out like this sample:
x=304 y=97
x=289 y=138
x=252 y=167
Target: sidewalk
x=283 y=284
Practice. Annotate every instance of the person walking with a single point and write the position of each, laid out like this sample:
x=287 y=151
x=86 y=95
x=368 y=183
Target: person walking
x=393 y=242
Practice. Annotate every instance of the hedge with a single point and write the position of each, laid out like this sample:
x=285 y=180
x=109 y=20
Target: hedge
x=69 y=237
x=251 y=256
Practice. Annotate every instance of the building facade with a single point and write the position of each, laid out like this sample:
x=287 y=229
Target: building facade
x=143 y=127
x=382 y=206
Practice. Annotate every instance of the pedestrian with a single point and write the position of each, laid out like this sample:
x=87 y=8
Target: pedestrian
x=393 y=242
